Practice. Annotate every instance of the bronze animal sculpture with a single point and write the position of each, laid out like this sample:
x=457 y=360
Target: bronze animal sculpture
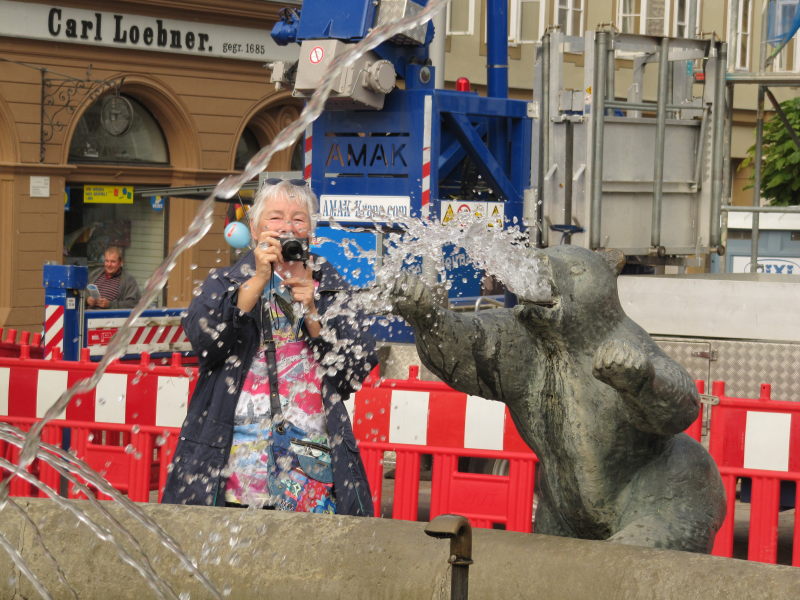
x=591 y=393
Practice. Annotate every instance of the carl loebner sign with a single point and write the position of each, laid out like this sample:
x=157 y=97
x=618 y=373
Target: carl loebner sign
x=113 y=29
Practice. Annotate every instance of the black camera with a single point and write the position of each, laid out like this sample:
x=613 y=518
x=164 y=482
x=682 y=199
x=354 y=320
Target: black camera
x=293 y=248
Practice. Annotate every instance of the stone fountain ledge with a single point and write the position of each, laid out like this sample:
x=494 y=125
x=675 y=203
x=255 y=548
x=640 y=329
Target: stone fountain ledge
x=266 y=554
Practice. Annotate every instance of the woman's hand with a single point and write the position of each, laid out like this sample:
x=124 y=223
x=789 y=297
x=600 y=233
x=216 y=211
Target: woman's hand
x=267 y=254
x=304 y=291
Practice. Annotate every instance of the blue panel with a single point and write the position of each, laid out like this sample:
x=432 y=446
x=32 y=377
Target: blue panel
x=65 y=276
x=372 y=153
x=347 y=20
x=465 y=280
x=330 y=244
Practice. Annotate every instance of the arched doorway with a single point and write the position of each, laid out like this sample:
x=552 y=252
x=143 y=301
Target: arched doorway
x=261 y=127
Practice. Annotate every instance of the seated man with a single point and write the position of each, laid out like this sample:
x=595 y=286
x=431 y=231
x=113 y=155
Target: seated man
x=117 y=288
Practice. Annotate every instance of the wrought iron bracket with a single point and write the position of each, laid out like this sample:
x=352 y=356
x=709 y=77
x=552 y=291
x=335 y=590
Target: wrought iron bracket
x=60 y=97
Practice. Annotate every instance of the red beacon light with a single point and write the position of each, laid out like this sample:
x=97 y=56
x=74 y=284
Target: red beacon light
x=462 y=84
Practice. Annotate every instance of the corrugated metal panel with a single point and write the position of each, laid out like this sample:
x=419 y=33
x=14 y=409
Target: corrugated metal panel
x=743 y=365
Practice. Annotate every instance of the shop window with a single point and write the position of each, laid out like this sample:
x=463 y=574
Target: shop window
x=122 y=218
x=248 y=145
x=118 y=129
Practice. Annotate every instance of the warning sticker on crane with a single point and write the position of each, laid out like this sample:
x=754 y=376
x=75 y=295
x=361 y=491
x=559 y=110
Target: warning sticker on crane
x=450 y=209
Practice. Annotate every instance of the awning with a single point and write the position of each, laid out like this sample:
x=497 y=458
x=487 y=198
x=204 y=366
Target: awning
x=199 y=192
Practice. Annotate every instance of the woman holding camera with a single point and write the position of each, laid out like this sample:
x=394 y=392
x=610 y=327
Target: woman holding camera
x=266 y=425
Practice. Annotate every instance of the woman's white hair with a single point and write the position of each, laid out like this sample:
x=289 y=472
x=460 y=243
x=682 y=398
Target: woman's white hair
x=299 y=194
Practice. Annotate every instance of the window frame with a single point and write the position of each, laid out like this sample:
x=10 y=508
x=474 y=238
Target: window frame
x=571 y=8
x=642 y=16
x=470 y=30
x=676 y=25
x=793 y=48
x=515 y=22
x=740 y=63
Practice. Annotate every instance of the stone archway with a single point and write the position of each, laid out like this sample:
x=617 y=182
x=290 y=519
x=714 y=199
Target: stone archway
x=176 y=124
x=265 y=120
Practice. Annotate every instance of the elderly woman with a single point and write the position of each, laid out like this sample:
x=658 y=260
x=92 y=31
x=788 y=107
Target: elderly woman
x=266 y=425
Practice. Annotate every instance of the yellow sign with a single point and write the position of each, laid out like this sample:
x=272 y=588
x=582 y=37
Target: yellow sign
x=448 y=215
x=451 y=208
x=108 y=194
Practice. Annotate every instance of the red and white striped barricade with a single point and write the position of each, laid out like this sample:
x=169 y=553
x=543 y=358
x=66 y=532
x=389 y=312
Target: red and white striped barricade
x=756 y=438
x=414 y=418
x=157 y=332
x=133 y=394
x=114 y=427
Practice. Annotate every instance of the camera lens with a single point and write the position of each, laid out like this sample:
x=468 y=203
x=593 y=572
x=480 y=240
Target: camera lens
x=293 y=249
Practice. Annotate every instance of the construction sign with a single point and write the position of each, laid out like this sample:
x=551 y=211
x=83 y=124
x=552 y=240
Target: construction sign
x=449 y=209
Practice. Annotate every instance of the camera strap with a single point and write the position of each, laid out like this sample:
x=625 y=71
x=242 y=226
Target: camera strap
x=272 y=369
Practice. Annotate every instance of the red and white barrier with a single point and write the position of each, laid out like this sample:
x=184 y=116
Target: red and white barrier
x=151 y=335
x=53 y=329
x=141 y=394
x=426 y=413
x=413 y=418
x=759 y=439
x=11 y=344
x=755 y=438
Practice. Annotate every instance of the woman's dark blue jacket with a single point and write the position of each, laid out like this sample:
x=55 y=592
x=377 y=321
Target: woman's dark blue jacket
x=226 y=340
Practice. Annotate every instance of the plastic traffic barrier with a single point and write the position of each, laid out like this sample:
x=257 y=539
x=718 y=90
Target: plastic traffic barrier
x=142 y=393
x=11 y=345
x=135 y=468
x=414 y=418
x=759 y=439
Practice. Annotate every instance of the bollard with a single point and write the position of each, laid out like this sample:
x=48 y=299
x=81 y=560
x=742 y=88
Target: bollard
x=457 y=529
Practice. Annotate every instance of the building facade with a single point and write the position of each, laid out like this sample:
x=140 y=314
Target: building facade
x=101 y=101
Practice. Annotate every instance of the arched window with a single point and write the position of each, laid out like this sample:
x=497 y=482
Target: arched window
x=248 y=145
x=118 y=129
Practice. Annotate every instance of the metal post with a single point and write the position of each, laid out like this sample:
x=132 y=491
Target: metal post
x=611 y=77
x=757 y=179
x=716 y=145
x=497 y=73
x=568 y=159
x=658 y=166
x=497 y=48
x=601 y=46
x=544 y=137
x=762 y=63
x=727 y=182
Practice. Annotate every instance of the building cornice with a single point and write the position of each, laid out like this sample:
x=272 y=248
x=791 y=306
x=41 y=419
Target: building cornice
x=242 y=13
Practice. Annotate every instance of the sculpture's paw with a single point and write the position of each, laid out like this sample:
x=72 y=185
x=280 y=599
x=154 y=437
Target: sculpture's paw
x=622 y=365
x=409 y=296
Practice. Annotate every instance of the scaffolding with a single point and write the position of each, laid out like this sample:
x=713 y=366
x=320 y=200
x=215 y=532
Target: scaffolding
x=617 y=170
